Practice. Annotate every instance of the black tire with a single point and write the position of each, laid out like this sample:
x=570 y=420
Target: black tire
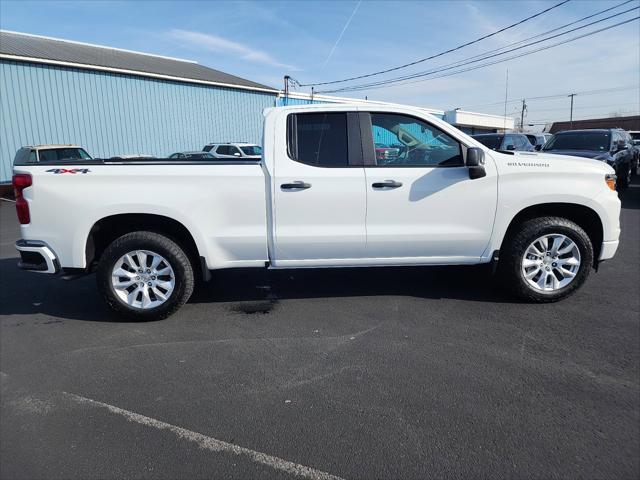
x=624 y=176
x=512 y=253
x=178 y=260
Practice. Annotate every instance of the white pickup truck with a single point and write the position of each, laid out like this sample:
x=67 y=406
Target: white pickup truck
x=320 y=197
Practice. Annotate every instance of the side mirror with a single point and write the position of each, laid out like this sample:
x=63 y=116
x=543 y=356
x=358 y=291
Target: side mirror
x=621 y=145
x=475 y=163
x=538 y=147
x=511 y=147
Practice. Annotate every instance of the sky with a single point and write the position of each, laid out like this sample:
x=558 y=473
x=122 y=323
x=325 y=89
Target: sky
x=315 y=41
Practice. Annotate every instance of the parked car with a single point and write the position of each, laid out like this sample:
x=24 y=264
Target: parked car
x=505 y=141
x=231 y=150
x=47 y=153
x=634 y=143
x=538 y=139
x=196 y=155
x=320 y=198
x=385 y=152
x=608 y=145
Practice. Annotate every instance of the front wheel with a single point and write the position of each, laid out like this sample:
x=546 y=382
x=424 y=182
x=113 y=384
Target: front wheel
x=547 y=260
x=144 y=276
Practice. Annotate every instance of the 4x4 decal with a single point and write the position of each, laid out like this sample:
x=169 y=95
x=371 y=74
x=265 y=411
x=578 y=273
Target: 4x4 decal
x=70 y=170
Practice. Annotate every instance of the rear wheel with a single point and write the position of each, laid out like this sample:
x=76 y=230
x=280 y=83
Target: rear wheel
x=145 y=276
x=546 y=260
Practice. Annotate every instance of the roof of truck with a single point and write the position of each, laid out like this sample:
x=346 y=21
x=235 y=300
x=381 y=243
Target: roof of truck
x=35 y=48
x=43 y=147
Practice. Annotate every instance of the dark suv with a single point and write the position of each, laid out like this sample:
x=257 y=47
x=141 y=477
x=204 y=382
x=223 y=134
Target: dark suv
x=505 y=141
x=609 y=145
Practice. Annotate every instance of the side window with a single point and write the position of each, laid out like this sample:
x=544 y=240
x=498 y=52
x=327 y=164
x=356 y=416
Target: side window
x=33 y=157
x=508 y=140
x=223 y=150
x=404 y=141
x=48 y=155
x=318 y=139
x=522 y=143
x=616 y=138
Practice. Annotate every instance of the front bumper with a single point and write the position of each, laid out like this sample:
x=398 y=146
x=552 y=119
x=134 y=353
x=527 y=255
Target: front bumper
x=608 y=250
x=37 y=256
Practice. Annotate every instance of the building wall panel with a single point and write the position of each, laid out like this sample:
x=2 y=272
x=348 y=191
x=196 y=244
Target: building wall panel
x=112 y=114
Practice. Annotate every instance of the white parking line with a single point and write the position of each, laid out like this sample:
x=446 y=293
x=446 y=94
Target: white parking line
x=209 y=443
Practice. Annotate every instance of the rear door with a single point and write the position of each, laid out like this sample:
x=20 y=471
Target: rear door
x=319 y=192
x=422 y=207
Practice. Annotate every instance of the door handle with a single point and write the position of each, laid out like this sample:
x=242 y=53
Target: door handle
x=295 y=186
x=387 y=184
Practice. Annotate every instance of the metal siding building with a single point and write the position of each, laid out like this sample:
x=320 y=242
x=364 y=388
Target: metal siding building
x=111 y=114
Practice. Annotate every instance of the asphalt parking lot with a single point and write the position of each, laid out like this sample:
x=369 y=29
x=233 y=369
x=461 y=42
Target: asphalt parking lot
x=383 y=373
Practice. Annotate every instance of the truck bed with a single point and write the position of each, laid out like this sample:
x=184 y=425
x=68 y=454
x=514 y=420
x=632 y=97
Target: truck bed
x=222 y=203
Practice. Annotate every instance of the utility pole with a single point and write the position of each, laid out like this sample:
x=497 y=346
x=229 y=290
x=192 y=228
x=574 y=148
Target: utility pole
x=286 y=89
x=524 y=107
x=506 y=94
x=571 y=114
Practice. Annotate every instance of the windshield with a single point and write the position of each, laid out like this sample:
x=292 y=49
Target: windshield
x=252 y=150
x=590 y=141
x=491 y=141
x=57 y=154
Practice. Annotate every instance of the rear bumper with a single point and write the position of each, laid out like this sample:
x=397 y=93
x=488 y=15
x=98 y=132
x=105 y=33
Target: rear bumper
x=37 y=256
x=608 y=250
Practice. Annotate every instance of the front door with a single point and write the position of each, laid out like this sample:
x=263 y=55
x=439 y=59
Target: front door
x=421 y=205
x=319 y=192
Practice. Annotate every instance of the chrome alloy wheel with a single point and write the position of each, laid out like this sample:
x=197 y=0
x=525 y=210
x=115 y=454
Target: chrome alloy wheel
x=551 y=262
x=143 y=279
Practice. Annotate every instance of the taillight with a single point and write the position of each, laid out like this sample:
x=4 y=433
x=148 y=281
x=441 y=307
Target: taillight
x=20 y=182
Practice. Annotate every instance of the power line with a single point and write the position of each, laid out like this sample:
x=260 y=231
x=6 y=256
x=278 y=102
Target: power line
x=558 y=28
x=561 y=95
x=623 y=113
x=485 y=56
x=382 y=84
x=438 y=54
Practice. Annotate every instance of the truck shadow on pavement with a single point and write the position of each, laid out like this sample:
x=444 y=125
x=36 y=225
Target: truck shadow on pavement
x=250 y=290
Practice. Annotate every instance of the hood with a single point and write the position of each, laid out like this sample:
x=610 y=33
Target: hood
x=550 y=162
x=597 y=154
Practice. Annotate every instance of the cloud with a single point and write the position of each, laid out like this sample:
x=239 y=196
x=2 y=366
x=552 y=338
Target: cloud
x=215 y=43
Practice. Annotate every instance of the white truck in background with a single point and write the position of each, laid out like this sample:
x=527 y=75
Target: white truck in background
x=320 y=197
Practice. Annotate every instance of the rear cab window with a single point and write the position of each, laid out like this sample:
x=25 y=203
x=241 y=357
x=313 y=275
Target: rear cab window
x=58 y=154
x=318 y=139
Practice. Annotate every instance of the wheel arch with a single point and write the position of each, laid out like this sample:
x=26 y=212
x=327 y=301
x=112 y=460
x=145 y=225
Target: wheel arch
x=584 y=216
x=107 y=229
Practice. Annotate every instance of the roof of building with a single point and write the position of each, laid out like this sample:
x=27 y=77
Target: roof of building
x=27 y=47
x=626 y=123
